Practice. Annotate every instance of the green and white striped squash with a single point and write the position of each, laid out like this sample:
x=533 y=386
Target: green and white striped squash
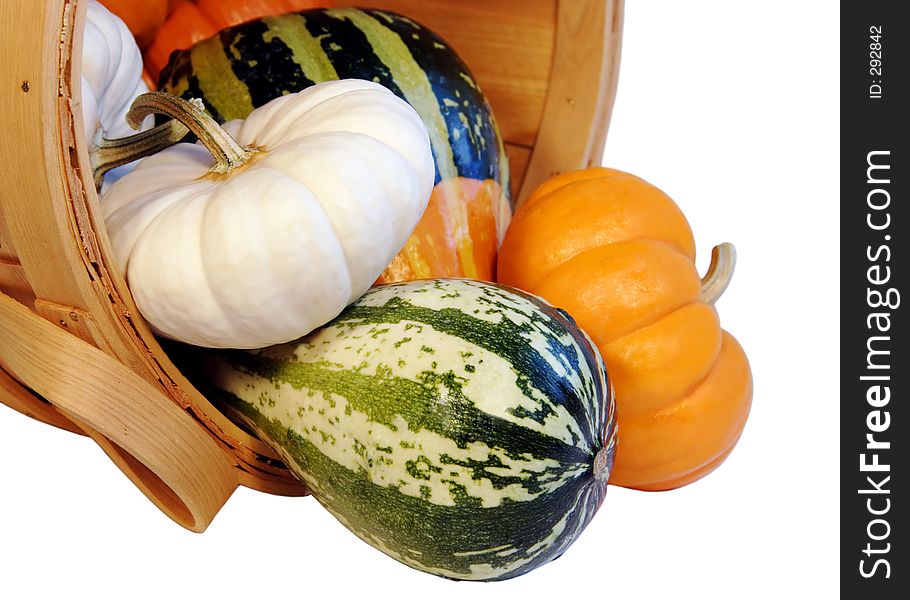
x=463 y=428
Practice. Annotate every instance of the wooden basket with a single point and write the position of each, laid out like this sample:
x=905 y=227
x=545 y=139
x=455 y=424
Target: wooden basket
x=75 y=353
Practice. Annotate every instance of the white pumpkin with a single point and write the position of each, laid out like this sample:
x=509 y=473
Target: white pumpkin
x=111 y=78
x=264 y=252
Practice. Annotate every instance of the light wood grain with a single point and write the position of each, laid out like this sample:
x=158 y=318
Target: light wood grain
x=31 y=168
x=519 y=156
x=581 y=90
x=507 y=44
x=173 y=460
x=7 y=251
x=20 y=399
x=609 y=82
x=73 y=320
x=14 y=282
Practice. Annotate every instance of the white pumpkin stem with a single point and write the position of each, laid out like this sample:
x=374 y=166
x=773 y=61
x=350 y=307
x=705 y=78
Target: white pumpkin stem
x=109 y=154
x=187 y=115
x=720 y=272
x=228 y=154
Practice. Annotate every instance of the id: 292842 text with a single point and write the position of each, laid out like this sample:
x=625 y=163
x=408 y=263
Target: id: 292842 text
x=875 y=61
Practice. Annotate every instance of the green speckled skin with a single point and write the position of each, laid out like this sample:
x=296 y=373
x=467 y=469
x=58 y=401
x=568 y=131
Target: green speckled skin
x=452 y=424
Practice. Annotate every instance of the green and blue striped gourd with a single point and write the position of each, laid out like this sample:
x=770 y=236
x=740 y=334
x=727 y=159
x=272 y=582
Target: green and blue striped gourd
x=463 y=428
x=246 y=66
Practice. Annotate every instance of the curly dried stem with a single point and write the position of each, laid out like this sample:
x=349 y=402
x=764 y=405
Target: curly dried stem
x=110 y=154
x=188 y=115
x=720 y=272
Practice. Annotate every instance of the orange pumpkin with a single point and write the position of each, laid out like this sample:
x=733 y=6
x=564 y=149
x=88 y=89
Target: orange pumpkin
x=142 y=18
x=190 y=22
x=458 y=235
x=618 y=255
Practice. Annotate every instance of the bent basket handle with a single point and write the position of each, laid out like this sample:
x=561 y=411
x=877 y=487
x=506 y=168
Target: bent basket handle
x=159 y=446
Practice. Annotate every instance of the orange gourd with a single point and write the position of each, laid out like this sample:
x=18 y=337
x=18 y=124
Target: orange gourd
x=458 y=235
x=191 y=21
x=618 y=255
x=143 y=18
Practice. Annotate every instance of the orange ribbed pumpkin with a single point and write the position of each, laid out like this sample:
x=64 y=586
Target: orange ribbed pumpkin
x=618 y=255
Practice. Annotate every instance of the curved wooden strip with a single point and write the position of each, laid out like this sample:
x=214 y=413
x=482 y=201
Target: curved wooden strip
x=23 y=400
x=161 y=448
x=581 y=91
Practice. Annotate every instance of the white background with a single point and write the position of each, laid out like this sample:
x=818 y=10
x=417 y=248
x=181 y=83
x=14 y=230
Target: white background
x=731 y=108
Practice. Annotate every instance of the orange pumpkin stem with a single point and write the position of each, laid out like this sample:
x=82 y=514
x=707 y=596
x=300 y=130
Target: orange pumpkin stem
x=720 y=272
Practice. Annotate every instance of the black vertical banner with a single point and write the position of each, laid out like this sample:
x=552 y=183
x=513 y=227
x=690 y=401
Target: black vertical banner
x=875 y=227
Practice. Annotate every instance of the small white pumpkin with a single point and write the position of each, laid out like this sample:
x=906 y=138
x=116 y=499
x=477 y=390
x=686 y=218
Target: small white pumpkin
x=111 y=78
x=286 y=229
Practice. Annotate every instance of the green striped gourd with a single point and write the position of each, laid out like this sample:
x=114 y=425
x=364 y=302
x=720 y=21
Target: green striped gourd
x=463 y=428
x=243 y=67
